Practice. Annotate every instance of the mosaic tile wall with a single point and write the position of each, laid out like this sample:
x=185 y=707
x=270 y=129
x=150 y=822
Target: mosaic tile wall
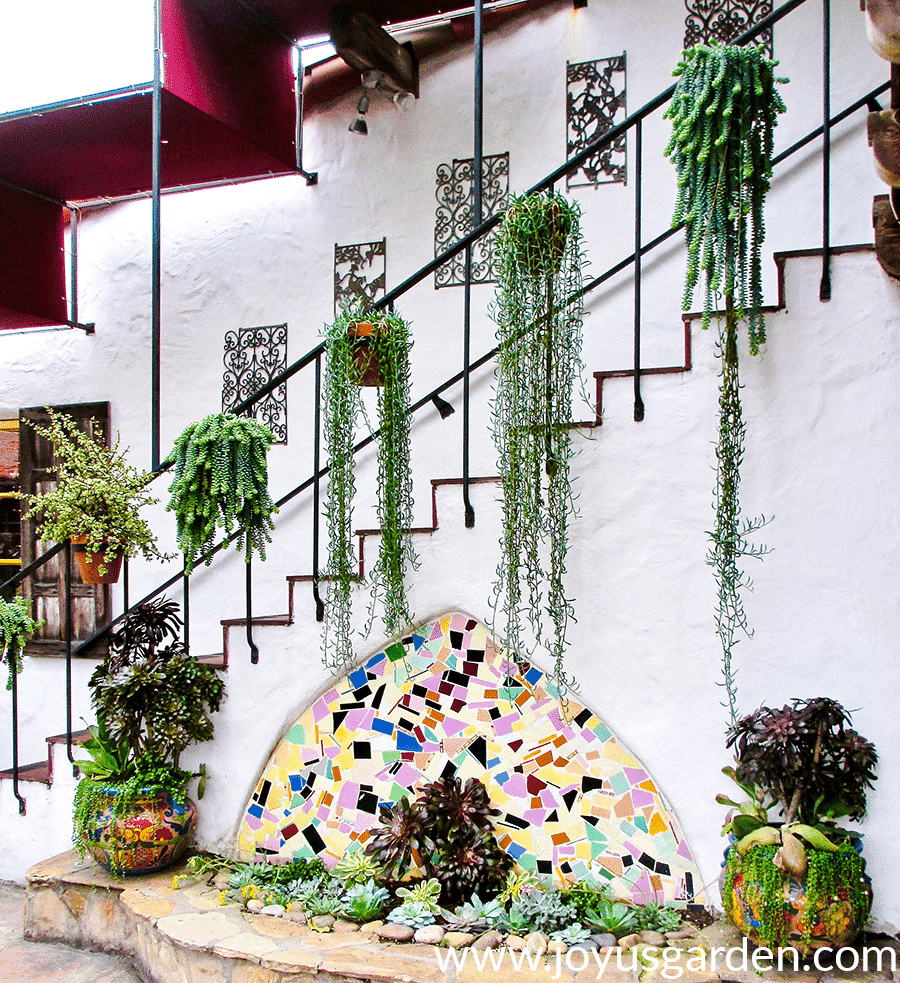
x=573 y=800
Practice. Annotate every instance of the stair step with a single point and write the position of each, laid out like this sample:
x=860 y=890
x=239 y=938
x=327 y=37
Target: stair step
x=267 y=619
x=78 y=737
x=215 y=659
x=39 y=771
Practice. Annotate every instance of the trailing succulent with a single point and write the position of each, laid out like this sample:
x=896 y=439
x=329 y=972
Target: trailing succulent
x=16 y=628
x=221 y=481
x=723 y=112
x=446 y=834
x=343 y=407
x=538 y=313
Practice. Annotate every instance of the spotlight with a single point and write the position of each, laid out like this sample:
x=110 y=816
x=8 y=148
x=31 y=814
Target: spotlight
x=359 y=124
x=442 y=406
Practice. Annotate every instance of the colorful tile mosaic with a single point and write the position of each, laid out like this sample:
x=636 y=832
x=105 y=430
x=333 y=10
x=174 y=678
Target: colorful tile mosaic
x=445 y=700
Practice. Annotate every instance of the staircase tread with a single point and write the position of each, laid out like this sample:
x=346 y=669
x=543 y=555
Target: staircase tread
x=213 y=659
x=265 y=619
x=37 y=771
x=78 y=737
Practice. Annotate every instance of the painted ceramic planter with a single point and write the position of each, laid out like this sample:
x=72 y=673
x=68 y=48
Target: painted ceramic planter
x=89 y=563
x=832 y=921
x=153 y=832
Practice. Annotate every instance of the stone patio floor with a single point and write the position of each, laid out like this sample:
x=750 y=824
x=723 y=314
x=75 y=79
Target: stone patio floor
x=186 y=936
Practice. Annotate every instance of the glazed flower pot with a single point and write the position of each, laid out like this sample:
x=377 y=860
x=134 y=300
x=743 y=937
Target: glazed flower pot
x=366 y=363
x=813 y=919
x=883 y=28
x=89 y=564
x=151 y=832
x=884 y=139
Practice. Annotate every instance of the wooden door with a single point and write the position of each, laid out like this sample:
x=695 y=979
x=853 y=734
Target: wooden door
x=47 y=586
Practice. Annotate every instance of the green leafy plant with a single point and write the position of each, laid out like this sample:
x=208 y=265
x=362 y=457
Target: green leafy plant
x=804 y=763
x=221 y=481
x=363 y=902
x=572 y=934
x=538 y=314
x=517 y=880
x=584 y=896
x=723 y=112
x=98 y=495
x=151 y=701
x=149 y=692
x=387 y=346
x=16 y=628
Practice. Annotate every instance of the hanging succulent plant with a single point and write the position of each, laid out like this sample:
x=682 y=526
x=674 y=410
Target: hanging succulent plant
x=378 y=355
x=221 y=481
x=538 y=314
x=16 y=628
x=723 y=112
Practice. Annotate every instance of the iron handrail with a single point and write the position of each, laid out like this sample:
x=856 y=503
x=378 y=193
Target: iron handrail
x=464 y=245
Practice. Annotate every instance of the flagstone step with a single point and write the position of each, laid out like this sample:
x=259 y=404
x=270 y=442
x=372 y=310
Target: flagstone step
x=184 y=935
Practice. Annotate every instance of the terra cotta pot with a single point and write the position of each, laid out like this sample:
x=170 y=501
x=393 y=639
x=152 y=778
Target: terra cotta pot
x=89 y=563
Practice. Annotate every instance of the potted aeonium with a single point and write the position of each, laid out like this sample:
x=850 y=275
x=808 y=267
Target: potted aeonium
x=96 y=502
x=132 y=811
x=792 y=875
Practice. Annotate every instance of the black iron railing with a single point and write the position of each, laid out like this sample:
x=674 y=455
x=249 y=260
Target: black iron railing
x=314 y=357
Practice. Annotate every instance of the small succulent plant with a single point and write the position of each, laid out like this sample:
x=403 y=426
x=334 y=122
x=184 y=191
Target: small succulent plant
x=416 y=914
x=584 y=896
x=517 y=880
x=656 y=918
x=428 y=892
x=474 y=915
x=611 y=916
x=358 y=868
x=449 y=805
x=572 y=934
x=400 y=843
x=363 y=902
x=544 y=911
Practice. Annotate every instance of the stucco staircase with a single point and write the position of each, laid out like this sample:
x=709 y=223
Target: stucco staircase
x=48 y=786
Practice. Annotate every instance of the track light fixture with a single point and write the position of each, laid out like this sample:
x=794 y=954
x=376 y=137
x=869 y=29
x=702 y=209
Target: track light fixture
x=359 y=124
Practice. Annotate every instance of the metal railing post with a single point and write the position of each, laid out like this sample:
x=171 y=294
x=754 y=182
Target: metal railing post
x=186 y=609
x=638 y=176
x=67 y=559
x=155 y=274
x=317 y=437
x=254 y=651
x=825 y=285
x=11 y=659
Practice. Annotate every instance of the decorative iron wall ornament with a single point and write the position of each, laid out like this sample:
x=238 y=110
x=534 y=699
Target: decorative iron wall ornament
x=359 y=274
x=253 y=357
x=595 y=103
x=724 y=20
x=453 y=218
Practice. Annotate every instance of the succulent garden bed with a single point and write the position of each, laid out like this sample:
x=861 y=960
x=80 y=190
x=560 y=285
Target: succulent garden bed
x=354 y=895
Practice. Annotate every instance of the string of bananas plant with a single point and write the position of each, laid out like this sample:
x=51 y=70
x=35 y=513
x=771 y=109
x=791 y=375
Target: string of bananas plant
x=538 y=313
x=724 y=112
x=221 y=481
x=349 y=361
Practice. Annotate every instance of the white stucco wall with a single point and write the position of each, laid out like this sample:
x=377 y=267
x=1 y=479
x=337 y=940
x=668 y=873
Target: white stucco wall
x=820 y=454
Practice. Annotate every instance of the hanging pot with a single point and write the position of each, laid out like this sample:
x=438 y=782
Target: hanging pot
x=152 y=831
x=89 y=563
x=883 y=28
x=541 y=253
x=366 y=363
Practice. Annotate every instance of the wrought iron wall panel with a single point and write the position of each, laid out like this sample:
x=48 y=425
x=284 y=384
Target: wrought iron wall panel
x=253 y=357
x=453 y=218
x=359 y=274
x=595 y=102
x=724 y=20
